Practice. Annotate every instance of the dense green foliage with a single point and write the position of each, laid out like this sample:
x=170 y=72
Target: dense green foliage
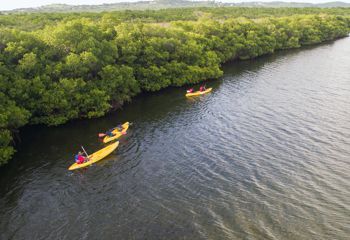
x=35 y=21
x=82 y=65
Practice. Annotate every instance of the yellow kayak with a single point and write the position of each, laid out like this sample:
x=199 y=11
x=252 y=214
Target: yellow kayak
x=116 y=133
x=198 y=93
x=96 y=156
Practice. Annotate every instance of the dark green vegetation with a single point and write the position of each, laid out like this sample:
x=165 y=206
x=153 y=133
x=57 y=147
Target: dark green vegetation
x=58 y=67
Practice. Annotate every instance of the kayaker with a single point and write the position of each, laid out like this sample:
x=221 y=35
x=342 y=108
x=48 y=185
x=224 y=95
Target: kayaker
x=119 y=127
x=110 y=133
x=191 y=90
x=79 y=158
x=202 y=88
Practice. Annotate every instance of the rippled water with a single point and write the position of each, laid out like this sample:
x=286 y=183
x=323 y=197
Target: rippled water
x=266 y=155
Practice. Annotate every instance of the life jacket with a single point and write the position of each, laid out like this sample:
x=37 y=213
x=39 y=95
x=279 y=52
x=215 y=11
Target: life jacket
x=110 y=134
x=79 y=159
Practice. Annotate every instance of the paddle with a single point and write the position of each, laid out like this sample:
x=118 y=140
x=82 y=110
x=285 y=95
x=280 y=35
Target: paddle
x=101 y=135
x=87 y=155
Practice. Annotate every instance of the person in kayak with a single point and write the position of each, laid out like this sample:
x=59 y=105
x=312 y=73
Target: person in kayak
x=79 y=158
x=202 y=88
x=110 y=133
x=191 y=90
x=119 y=127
